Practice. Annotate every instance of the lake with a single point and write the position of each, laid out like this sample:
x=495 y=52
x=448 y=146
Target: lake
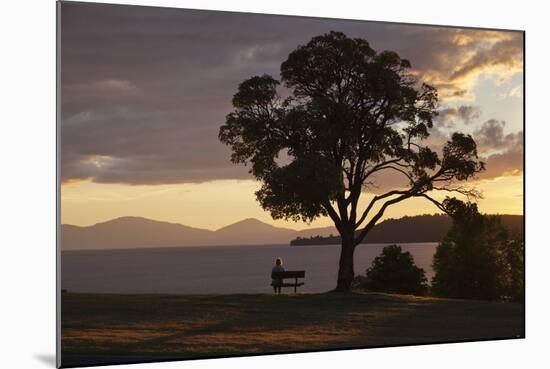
x=215 y=269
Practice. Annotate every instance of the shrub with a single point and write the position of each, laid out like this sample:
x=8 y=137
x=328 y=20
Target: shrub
x=394 y=271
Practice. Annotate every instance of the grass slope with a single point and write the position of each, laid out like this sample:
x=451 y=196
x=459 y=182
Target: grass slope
x=106 y=329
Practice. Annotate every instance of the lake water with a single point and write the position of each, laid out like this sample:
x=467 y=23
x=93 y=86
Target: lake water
x=215 y=269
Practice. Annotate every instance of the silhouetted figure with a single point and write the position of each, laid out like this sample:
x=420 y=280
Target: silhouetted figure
x=277 y=282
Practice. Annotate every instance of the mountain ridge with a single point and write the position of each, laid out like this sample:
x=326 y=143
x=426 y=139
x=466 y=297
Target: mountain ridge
x=140 y=232
x=410 y=229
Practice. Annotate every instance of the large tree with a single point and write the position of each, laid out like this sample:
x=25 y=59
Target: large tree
x=349 y=115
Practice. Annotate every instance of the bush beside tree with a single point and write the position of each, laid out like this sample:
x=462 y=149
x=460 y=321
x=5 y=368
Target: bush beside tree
x=394 y=271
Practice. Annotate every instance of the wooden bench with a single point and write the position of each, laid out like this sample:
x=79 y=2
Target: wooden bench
x=281 y=276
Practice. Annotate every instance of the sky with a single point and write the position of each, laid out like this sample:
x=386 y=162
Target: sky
x=144 y=91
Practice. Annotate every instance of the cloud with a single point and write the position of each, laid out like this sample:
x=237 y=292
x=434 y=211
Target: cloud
x=145 y=90
x=116 y=86
x=505 y=54
x=124 y=147
x=464 y=55
x=508 y=163
x=503 y=153
x=515 y=91
x=464 y=113
x=491 y=136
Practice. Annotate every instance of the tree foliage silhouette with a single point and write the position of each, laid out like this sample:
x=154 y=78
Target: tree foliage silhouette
x=349 y=114
x=478 y=258
x=394 y=271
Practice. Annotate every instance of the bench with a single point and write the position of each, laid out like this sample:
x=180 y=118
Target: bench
x=291 y=274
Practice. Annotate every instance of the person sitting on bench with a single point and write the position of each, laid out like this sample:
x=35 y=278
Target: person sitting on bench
x=276 y=283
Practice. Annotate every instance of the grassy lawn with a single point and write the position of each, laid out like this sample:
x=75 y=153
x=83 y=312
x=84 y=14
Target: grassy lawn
x=125 y=328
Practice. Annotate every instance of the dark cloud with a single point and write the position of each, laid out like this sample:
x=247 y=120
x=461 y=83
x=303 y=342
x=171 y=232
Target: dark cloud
x=491 y=136
x=503 y=153
x=145 y=90
x=507 y=53
x=466 y=53
x=463 y=113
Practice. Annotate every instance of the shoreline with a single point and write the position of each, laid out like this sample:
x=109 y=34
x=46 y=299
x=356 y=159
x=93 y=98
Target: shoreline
x=168 y=248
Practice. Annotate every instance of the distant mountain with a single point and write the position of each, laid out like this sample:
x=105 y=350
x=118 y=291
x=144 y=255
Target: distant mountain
x=130 y=232
x=421 y=228
x=137 y=232
x=254 y=231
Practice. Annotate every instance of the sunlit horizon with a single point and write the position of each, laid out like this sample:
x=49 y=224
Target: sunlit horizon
x=216 y=204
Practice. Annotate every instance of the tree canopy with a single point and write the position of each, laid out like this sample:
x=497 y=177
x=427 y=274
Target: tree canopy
x=341 y=114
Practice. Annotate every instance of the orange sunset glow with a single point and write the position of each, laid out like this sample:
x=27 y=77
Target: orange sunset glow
x=140 y=123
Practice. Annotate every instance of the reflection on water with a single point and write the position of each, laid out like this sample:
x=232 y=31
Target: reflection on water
x=214 y=269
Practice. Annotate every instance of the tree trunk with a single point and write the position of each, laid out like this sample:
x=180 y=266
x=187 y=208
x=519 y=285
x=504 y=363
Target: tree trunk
x=345 y=271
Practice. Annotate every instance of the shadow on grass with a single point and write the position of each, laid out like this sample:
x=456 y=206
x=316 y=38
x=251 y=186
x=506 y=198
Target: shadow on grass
x=191 y=326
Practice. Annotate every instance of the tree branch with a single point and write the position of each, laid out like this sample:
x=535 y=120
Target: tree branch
x=468 y=192
x=377 y=167
x=399 y=170
x=378 y=215
x=374 y=200
x=434 y=201
x=334 y=216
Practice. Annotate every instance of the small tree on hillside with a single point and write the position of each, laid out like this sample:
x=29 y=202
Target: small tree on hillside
x=350 y=115
x=394 y=271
